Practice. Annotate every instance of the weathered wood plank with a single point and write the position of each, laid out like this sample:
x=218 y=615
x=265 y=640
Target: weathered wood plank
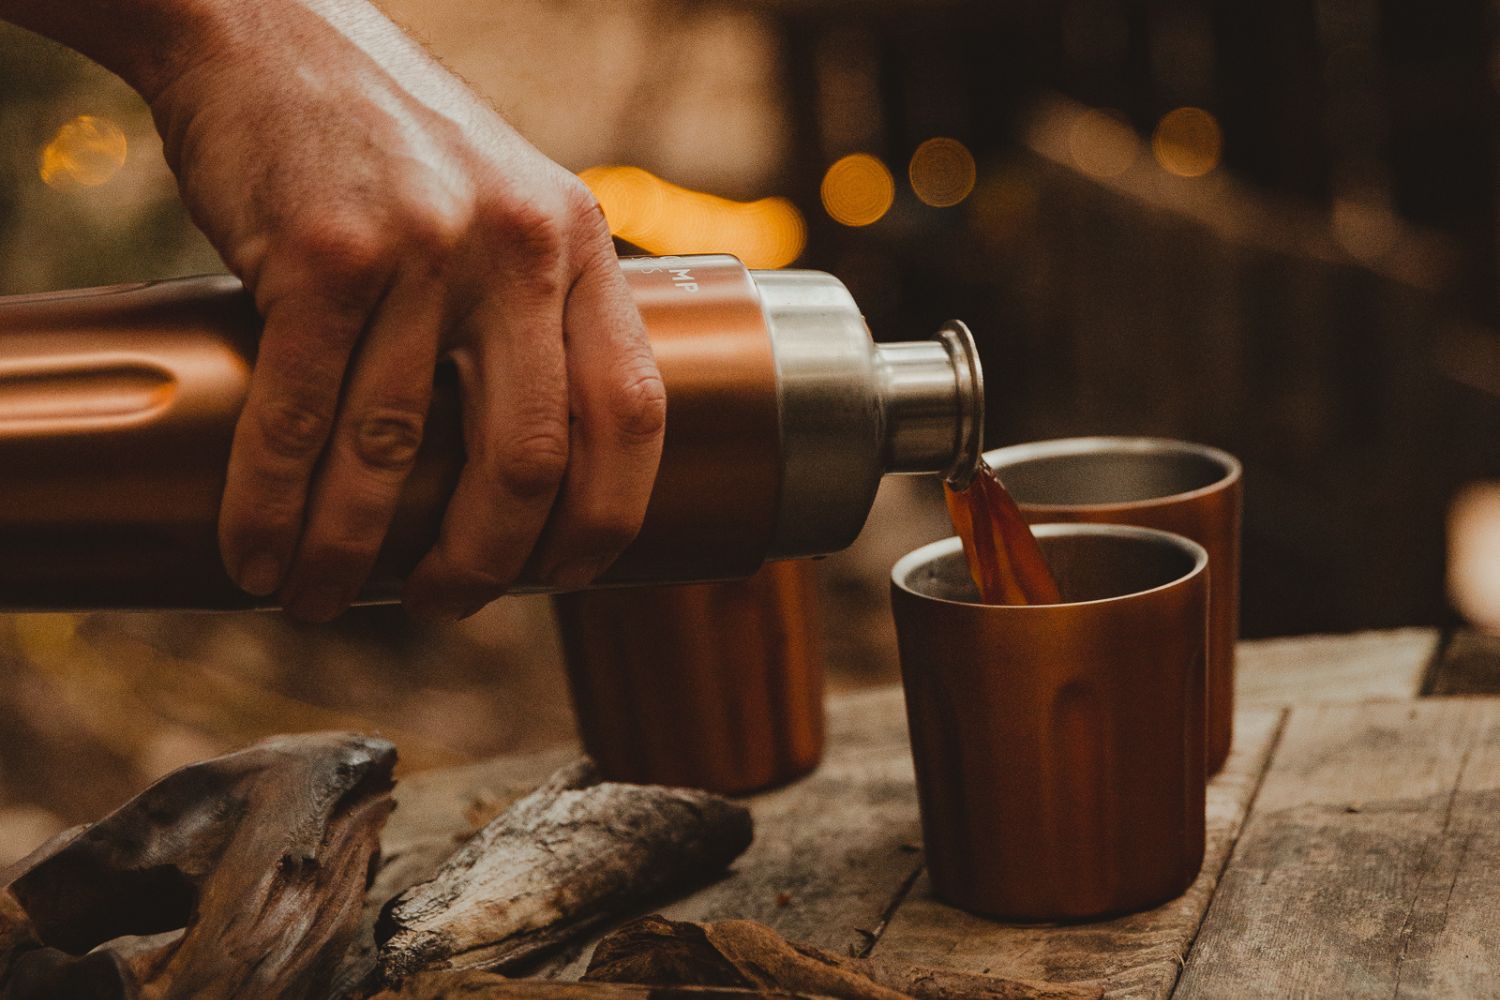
x=1136 y=956
x=1468 y=664
x=1368 y=866
x=441 y=807
x=1364 y=666
x=832 y=852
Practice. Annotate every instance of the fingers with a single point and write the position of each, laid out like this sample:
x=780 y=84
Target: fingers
x=513 y=377
x=289 y=412
x=618 y=409
x=371 y=450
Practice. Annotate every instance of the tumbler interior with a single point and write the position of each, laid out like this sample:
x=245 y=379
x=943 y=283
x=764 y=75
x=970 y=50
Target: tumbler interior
x=1091 y=562
x=1102 y=470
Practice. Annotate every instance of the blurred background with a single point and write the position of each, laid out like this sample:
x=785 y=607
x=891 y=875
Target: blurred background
x=1269 y=227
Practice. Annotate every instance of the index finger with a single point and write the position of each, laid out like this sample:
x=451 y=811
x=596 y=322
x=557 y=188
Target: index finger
x=289 y=412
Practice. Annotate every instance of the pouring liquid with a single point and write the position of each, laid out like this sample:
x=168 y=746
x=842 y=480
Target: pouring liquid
x=1004 y=557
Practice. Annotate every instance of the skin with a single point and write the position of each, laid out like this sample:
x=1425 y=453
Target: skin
x=384 y=217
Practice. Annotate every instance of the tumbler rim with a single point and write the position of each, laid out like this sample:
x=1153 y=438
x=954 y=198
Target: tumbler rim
x=998 y=458
x=945 y=547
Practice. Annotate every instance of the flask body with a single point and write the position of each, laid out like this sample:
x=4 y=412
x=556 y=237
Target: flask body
x=118 y=407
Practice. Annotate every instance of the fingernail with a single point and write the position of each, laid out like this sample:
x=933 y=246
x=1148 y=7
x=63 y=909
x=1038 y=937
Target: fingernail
x=319 y=602
x=576 y=574
x=260 y=574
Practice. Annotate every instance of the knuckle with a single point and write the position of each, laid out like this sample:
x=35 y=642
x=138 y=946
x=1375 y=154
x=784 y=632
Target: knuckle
x=533 y=464
x=586 y=212
x=387 y=438
x=345 y=255
x=528 y=230
x=291 y=429
x=638 y=403
x=608 y=529
x=434 y=234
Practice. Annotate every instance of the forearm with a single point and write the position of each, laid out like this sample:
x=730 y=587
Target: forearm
x=149 y=43
x=143 y=41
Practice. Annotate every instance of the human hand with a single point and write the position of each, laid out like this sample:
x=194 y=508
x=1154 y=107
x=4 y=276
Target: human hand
x=384 y=217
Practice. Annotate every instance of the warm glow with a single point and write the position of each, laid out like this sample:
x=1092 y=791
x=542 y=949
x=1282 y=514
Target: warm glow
x=1474 y=554
x=1003 y=205
x=1101 y=144
x=1187 y=142
x=85 y=152
x=858 y=190
x=1366 y=231
x=662 y=218
x=942 y=172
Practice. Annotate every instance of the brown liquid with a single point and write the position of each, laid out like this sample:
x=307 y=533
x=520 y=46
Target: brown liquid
x=1004 y=558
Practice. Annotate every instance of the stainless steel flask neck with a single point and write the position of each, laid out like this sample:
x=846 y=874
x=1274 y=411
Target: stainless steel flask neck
x=853 y=410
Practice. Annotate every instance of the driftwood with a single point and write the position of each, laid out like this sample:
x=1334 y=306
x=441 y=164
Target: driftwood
x=240 y=877
x=485 y=985
x=744 y=954
x=561 y=861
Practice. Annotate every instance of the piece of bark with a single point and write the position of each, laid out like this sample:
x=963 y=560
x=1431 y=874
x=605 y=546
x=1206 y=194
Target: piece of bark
x=748 y=955
x=240 y=877
x=559 y=862
x=484 y=985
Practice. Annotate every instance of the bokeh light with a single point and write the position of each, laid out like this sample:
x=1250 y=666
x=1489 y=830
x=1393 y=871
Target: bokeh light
x=1368 y=231
x=1474 y=553
x=858 y=190
x=1101 y=144
x=942 y=172
x=664 y=218
x=1187 y=142
x=85 y=152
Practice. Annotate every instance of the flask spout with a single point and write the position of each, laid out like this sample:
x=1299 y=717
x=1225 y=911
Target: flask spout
x=932 y=398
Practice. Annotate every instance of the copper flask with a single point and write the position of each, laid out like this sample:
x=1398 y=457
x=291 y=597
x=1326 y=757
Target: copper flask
x=708 y=685
x=117 y=407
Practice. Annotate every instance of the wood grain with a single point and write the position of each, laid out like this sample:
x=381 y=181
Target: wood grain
x=833 y=851
x=748 y=955
x=1468 y=664
x=1364 y=666
x=241 y=876
x=571 y=856
x=1135 y=956
x=1368 y=866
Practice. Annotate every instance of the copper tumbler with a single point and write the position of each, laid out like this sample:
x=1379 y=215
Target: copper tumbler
x=712 y=685
x=1059 y=747
x=1190 y=489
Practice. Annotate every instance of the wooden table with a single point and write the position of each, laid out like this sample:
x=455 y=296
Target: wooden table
x=1353 y=844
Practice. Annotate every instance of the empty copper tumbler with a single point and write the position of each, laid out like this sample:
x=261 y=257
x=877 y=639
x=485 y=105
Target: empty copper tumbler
x=711 y=685
x=1177 y=486
x=1059 y=748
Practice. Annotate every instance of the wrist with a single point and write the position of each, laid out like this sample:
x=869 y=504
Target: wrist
x=212 y=35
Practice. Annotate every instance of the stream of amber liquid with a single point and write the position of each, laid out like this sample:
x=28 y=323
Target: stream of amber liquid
x=1004 y=558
